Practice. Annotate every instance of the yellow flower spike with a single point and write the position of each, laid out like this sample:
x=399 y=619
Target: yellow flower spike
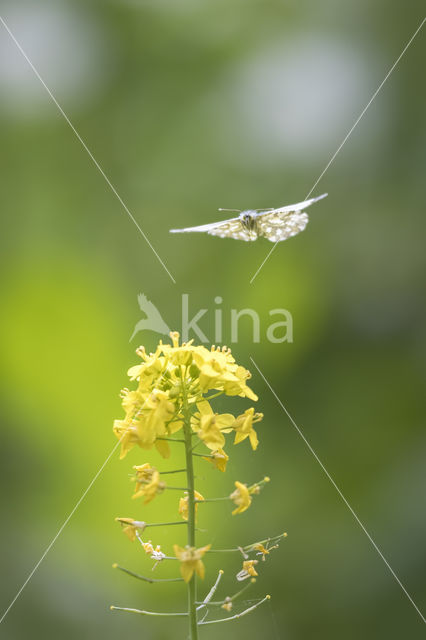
x=148 y=482
x=171 y=395
x=130 y=527
x=190 y=560
x=247 y=570
x=183 y=504
x=243 y=427
x=219 y=459
x=241 y=497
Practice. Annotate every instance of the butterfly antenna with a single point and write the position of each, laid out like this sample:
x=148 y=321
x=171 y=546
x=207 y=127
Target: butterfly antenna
x=235 y=210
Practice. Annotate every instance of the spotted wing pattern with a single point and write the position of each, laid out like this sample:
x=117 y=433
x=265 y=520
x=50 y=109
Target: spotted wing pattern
x=232 y=228
x=277 y=226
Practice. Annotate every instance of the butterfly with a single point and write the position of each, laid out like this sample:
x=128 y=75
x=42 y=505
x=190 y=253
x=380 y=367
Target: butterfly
x=275 y=225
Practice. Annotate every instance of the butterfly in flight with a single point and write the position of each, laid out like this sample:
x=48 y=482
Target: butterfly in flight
x=275 y=225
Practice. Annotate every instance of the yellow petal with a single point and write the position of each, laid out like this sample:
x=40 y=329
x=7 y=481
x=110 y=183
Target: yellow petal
x=163 y=448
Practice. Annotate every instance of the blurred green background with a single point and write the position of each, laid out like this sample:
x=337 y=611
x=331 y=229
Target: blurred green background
x=190 y=106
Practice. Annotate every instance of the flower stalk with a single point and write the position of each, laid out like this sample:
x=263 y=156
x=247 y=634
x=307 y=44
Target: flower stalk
x=192 y=584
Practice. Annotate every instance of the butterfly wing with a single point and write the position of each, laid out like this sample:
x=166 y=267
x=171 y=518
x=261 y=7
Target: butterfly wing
x=235 y=229
x=277 y=226
x=285 y=222
x=232 y=228
x=299 y=206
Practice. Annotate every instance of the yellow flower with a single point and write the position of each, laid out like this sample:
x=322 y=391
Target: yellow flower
x=241 y=497
x=148 y=423
x=127 y=435
x=152 y=367
x=190 y=560
x=261 y=549
x=210 y=433
x=130 y=527
x=183 y=504
x=234 y=384
x=219 y=459
x=247 y=570
x=243 y=427
x=154 y=410
x=132 y=401
x=218 y=370
x=155 y=554
x=148 y=479
x=178 y=355
x=147 y=547
x=152 y=422
x=210 y=426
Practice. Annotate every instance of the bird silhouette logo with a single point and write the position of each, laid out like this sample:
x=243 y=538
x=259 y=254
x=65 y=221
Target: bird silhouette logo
x=153 y=320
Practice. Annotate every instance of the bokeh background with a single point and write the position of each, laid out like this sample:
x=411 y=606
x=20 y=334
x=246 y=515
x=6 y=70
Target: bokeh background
x=190 y=106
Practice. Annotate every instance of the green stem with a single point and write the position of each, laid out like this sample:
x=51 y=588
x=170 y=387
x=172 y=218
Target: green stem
x=192 y=585
x=215 y=395
x=144 y=578
x=148 y=613
x=234 y=597
x=176 y=488
x=163 y=524
x=249 y=547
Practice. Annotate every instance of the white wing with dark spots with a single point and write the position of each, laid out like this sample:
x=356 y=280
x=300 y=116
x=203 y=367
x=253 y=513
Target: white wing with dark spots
x=232 y=228
x=277 y=226
x=280 y=224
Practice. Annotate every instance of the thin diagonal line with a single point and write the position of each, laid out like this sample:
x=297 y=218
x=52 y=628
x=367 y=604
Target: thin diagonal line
x=351 y=130
x=86 y=148
x=64 y=524
x=339 y=491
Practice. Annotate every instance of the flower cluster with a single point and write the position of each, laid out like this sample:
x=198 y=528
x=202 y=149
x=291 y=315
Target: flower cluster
x=172 y=404
x=154 y=411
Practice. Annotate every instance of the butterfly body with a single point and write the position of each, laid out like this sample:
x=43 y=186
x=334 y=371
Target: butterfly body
x=248 y=223
x=275 y=225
